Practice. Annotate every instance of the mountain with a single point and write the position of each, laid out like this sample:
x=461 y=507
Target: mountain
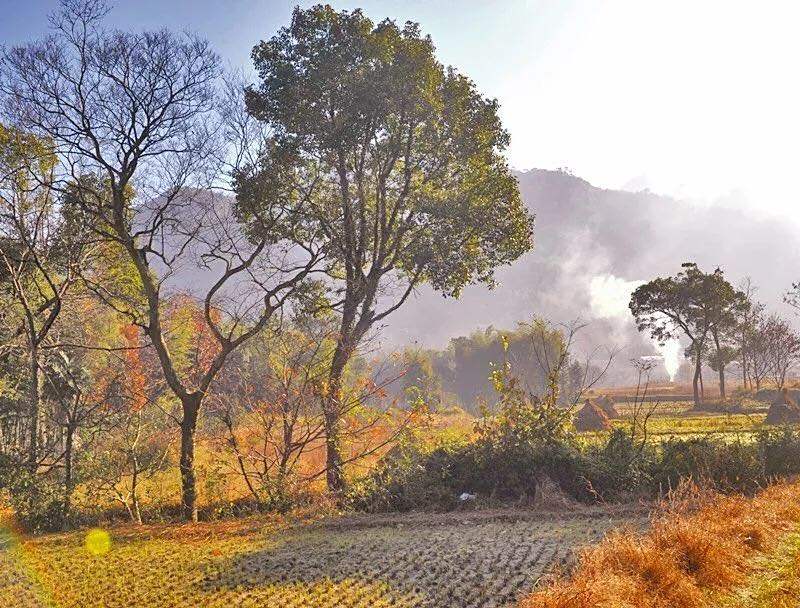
x=592 y=246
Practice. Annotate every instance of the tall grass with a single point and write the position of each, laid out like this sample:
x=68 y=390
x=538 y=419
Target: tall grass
x=689 y=553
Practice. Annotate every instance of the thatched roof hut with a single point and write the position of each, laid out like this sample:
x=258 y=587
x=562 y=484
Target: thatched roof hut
x=591 y=417
x=606 y=403
x=784 y=410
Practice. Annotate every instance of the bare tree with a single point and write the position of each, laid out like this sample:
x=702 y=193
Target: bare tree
x=783 y=348
x=744 y=333
x=553 y=347
x=133 y=448
x=270 y=404
x=643 y=408
x=134 y=124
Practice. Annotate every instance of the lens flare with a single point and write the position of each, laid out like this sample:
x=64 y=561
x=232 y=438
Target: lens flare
x=98 y=542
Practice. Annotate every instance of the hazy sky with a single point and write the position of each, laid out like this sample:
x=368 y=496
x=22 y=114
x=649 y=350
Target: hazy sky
x=694 y=99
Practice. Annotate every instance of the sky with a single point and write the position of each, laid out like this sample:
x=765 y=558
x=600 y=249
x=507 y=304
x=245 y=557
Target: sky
x=698 y=100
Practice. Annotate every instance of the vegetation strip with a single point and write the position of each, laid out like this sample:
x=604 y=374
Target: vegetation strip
x=688 y=558
x=776 y=583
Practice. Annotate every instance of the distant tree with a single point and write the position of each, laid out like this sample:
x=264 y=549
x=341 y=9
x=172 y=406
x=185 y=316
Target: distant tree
x=782 y=348
x=693 y=304
x=719 y=358
x=759 y=349
x=420 y=381
x=726 y=307
x=746 y=334
x=403 y=161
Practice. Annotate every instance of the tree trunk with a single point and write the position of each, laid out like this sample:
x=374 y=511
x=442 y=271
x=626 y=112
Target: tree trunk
x=135 y=511
x=349 y=336
x=191 y=407
x=696 y=380
x=333 y=410
x=721 y=365
x=33 y=407
x=68 y=481
x=702 y=385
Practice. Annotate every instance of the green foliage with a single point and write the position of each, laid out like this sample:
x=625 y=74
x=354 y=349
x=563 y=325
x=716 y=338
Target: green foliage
x=37 y=499
x=401 y=157
x=780 y=451
x=525 y=440
x=458 y=373
x=728 y=466
x=616 y=468
x=692 y=303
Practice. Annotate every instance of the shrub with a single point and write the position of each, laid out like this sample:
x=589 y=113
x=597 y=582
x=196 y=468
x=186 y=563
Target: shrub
x=727 y=466
x=779 y=451
x=37 y=501
x=413 y=477
x=617 y=468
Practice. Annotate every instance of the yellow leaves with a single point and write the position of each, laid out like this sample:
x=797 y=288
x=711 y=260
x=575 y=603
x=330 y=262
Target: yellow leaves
x=25 y=159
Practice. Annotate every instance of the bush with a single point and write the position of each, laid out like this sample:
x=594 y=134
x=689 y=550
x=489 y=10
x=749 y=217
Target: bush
x=779 y=451
x=620 y=467
x=413 y=477
x=37 y=501
x=727 y=466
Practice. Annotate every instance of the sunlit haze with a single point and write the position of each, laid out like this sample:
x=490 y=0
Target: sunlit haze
x=695 y=100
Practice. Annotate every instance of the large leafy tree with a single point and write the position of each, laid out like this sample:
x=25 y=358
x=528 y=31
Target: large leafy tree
x=693 y=304
x=401 y=161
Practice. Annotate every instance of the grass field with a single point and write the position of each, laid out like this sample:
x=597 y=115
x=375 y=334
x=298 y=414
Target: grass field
x=464 y=559
x=483 y=558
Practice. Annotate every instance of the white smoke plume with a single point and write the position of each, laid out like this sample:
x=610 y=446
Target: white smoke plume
x=609 y=297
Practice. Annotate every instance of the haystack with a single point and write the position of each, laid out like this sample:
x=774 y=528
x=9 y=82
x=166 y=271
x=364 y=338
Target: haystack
x=784 y=410
x=606 y=403
x=591 y=417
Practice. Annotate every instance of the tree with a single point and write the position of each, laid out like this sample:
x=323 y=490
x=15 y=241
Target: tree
x=746 y=334
x=782 y=348
x=402 y=160
x=719 y=359
x=759 y=349
x=41 y=254
x=692 y=303
x=726 y=306
x=420 y=382
x=133 y=124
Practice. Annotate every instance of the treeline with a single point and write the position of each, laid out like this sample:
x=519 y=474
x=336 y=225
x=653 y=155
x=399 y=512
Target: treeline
x=178 y=245
x=724 y=326
x=460 y=374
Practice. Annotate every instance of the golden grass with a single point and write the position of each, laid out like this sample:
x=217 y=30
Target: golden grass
x=684 y=559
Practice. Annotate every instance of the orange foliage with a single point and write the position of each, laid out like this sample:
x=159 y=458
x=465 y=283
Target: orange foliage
x=135 y=377
x=202 y=346
x=683 y=556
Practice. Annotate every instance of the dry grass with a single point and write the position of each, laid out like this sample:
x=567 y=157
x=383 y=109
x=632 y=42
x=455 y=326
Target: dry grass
x=688 y=554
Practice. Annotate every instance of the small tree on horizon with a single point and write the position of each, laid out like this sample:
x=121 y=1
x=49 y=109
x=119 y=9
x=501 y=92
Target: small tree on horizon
x=694 y=304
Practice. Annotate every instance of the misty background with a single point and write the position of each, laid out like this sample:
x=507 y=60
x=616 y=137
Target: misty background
x=592 y=248
x=678 y=122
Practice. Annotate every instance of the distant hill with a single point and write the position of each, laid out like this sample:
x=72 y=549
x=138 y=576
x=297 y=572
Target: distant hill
x=583 y=232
